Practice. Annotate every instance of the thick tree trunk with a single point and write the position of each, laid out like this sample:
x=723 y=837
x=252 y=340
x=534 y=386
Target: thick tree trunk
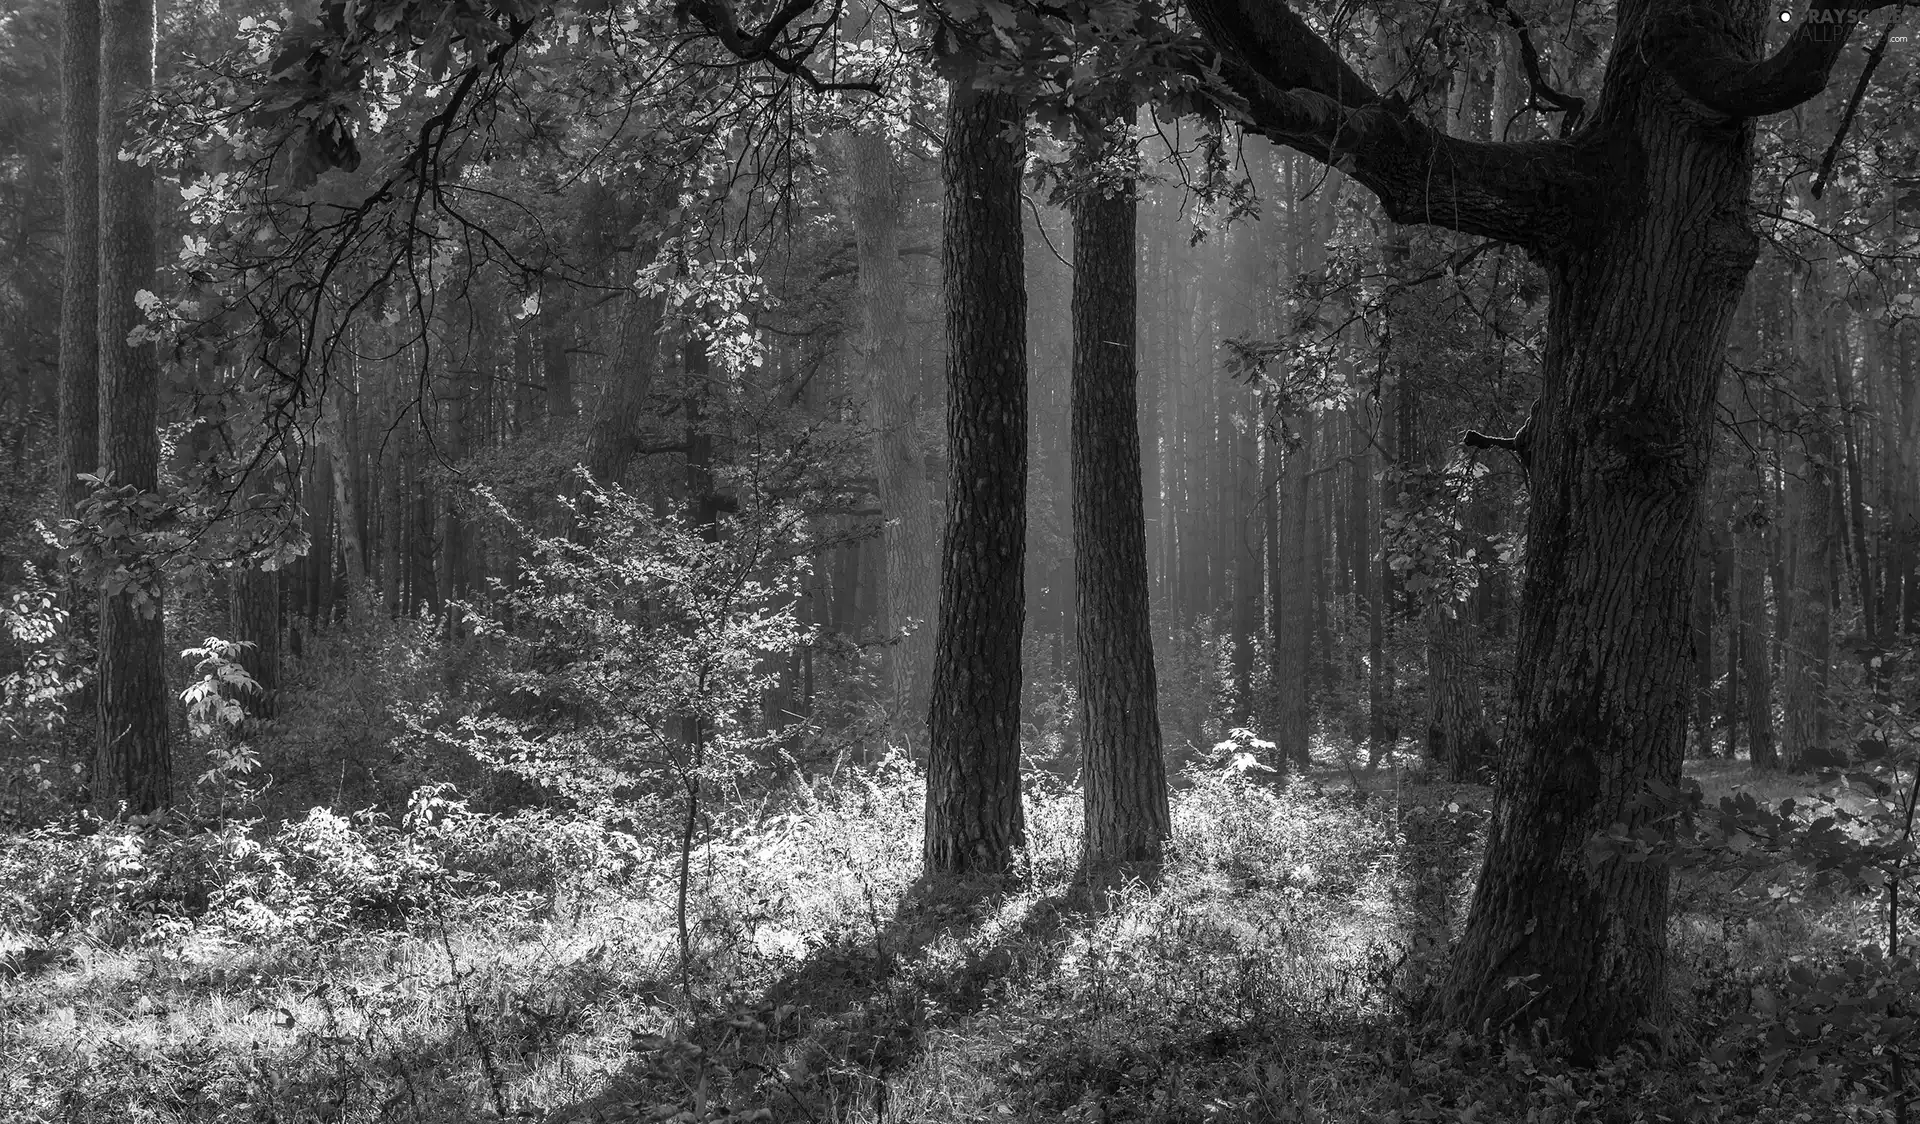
x=974 y=818
x=1640 y=306
x=1806 y=737
x=135 y=760
x=881 y=353
x=1124 y=779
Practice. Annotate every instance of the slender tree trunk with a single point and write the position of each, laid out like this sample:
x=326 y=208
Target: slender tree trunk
x=910 y=536
x=1755 y=662
x=1293 y=620
x=135 y=762
x=335 y=431
x=1124 y=777
x=1805 y=743
x=78 y=442
x=79 y=449
x=974 y=818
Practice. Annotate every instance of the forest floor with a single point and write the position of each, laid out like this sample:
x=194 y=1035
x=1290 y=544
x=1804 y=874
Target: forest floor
x=1275 y=970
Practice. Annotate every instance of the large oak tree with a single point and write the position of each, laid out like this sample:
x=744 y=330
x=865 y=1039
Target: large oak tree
x=1641 y=222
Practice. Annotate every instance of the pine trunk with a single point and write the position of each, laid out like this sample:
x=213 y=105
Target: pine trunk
x=910 y=536
x=1124 y=778
x=135 y=759
x=974 y=817
x=79 y=448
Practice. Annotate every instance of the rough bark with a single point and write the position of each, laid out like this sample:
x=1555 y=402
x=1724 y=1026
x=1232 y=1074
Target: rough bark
x=974 y=818
x=78 y=441
x=1124 y=780
x=80 y=182
x=1640 y=221
x=881 y=356
x=134 y=763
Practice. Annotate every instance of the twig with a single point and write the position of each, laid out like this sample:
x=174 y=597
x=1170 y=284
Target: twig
x=1853 y=105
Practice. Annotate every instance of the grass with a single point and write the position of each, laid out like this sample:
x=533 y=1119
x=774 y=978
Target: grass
x=1267 y=973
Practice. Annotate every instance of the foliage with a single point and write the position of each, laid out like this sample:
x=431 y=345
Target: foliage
x=635 y=648
x=1839 y=1022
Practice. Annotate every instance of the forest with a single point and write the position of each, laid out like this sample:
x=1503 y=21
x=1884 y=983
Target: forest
x=871 y=561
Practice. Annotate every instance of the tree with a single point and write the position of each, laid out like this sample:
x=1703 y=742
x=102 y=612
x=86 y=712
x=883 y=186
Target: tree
x=974 y=818
x=882 y=357
x=80 y=182
x=134 y=759
x=1809 y=538
x=78 y=443
x=1639 y=217
x=1123 y=777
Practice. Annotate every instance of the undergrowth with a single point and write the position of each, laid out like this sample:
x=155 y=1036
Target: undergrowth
x=451 y=965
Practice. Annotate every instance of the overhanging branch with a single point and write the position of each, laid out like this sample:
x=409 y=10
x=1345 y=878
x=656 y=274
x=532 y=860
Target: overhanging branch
x=1700 y=50
x=1297 y=91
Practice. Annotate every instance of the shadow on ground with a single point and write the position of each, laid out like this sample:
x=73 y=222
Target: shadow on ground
x=822 y=1040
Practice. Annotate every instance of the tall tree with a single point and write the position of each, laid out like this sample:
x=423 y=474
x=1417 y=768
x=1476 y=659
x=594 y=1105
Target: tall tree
x=1639 y=218
x=1124 y=779
x=1809 y=537
x=974 y=818
x=78 y=440
x=883 y=367
x=79 y=448
x=134 y=762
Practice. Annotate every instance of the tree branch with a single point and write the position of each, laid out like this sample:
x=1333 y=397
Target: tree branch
x=717 y=17
x=1540 y=96
x=1299 y=92
x=1702 y=52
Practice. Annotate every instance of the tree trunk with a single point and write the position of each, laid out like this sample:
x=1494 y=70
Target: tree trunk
x=335 y=432
x=1755 y=663
x=1457 y=738
x=974 y=818
x=910 y=535
x=1806 y=739
x=1639 y=309
x=78 y=442
x=79 y=448
x=253 y=612
x=1293 y=617
x=613 y=435
x=556 y=334
x=135 y=761
x=1124 y=778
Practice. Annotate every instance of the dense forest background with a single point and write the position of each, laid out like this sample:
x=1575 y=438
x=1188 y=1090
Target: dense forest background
x=493 y=492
